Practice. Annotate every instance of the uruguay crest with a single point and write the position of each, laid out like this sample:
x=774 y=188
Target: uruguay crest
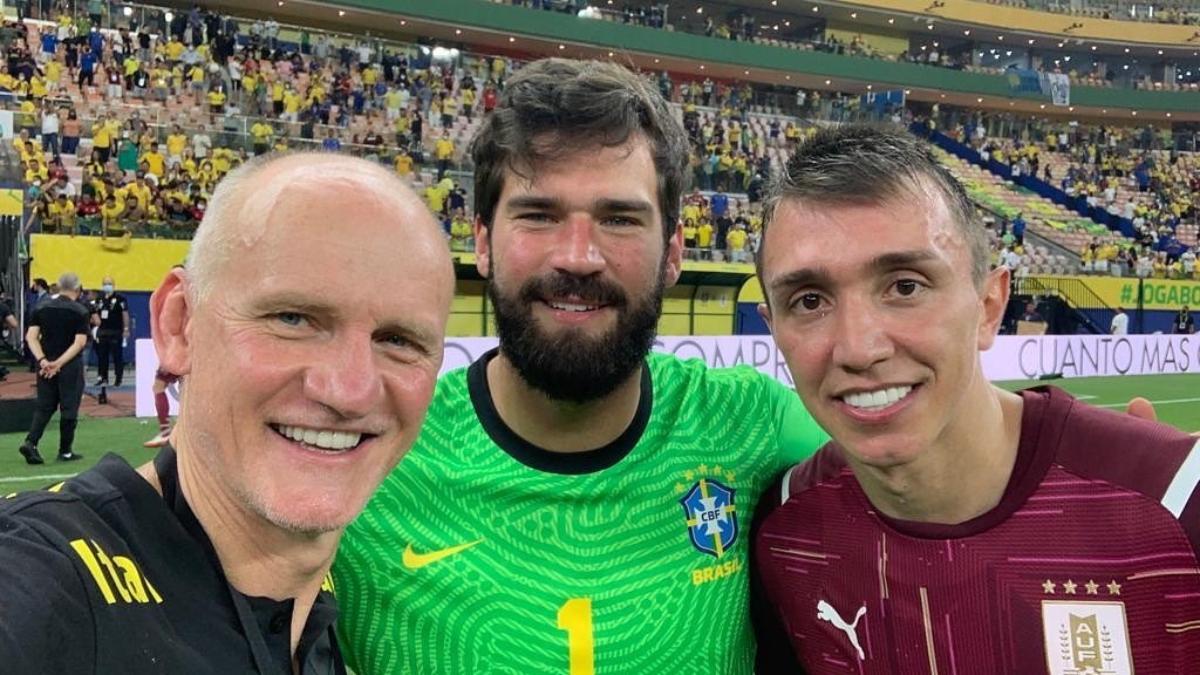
x=1087 y=638
x=711 y=517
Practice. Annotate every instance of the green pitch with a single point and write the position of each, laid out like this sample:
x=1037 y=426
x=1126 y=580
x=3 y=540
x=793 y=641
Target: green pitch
x=1176 y=397
x=94 y=438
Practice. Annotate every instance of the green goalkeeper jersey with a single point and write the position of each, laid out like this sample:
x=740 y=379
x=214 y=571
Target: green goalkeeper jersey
x=484 y=554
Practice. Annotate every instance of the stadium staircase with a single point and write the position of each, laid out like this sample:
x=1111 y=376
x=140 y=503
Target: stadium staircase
x=1187 y=233
x=1065 y=231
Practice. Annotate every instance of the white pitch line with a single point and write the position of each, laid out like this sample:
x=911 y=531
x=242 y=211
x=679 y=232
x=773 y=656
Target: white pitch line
x=46 y=477
x=1163 y=402
x=1085 y=397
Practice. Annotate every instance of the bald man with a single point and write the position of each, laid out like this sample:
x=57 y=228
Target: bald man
x=305 y=386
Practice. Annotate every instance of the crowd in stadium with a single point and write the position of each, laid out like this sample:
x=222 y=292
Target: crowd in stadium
x=143 y=171
x=1178 y=11
x=742 y=24
x=1124 y=172
x=163 y=116
x=152 y=177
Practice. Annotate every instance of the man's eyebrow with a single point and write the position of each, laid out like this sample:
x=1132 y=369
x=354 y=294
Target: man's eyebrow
x=814 y=276
x=531 y=202
x=622 y=206
x=602 y=205
x=819 y=276
x=292 y=302
x=890 y=261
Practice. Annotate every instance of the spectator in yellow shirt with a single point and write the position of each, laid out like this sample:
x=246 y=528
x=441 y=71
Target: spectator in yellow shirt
x=216 y=100
x=460 y=233
x=316 y=93
x=249 y=84
x=704 y=237
x=110 y=213
x=277 y=91
x=291 y=104
x=60 y=216
x=176 y=143
x=435 y=196
x=404 y=163
x=261 y=133
x=195 y=76
x=1160 y=266
x=138 y=189
x=28 y=117
x=689 y=238
x=468 y=102
x=736 y=241
x=449 y=110
x=156 y=163
x=35 y=171
x=37 y=88
x=443 y=151
x=174 y=50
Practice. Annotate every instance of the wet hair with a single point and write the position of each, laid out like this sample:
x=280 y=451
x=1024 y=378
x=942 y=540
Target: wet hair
x=861 y=164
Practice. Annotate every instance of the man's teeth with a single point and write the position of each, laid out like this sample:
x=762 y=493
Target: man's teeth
x=571 y=307
x=324 y=439
x=876 y=400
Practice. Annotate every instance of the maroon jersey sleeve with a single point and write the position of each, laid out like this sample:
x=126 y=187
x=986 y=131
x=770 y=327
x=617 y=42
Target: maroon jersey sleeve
x=774 y=655
x=1158 y=461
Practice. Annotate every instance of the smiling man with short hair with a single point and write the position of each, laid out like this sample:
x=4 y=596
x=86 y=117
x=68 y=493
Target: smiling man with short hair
x=951 y=525
x=305 y=386
x=576 y=503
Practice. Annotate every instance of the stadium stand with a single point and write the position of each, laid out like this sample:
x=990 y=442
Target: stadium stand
x=140 y=144
x=740 y=23
x=1167 y=11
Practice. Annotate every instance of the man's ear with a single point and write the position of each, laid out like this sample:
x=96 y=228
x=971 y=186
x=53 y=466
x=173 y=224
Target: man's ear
x=674 y=257
x=764 y=311
x=994 y=300
x=483 y=249
x=170 y=321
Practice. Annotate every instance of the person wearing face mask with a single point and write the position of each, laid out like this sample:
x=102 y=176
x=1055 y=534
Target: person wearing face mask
x=110 y=314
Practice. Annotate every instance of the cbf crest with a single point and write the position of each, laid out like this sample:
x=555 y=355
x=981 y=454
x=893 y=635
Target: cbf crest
x=711 y=516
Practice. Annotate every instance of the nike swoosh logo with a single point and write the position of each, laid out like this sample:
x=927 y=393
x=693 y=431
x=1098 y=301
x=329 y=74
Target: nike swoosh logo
x=415 y=561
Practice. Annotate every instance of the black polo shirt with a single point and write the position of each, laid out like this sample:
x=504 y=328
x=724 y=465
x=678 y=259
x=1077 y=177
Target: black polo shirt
x=60 y=320
x=101 y=574
x=111 y=310
x=1184 y=323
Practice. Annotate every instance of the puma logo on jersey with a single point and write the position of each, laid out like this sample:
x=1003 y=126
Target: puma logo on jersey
x=415 y=561
x=826 y=612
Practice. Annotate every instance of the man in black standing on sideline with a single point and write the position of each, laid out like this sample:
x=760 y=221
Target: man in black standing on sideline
x=1184 y=324
x=112 y=311
x=56 y=336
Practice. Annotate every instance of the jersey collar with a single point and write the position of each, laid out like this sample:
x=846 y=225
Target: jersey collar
x=536 y=457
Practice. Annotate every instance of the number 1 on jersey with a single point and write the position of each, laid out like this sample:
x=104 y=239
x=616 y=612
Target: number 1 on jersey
x=575 y=617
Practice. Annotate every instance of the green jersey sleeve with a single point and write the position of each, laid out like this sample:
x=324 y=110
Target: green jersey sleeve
x=799 y=434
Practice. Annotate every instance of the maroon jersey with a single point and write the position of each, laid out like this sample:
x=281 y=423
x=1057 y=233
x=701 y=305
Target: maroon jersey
x=1086 y=566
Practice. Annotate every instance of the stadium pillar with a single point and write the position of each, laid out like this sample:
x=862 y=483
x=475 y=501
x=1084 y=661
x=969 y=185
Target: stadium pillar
x=1140 y=307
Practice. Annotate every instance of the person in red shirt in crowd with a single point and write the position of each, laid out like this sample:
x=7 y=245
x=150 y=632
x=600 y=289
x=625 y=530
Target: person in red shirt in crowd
x=88 y=206
x=490 y=97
